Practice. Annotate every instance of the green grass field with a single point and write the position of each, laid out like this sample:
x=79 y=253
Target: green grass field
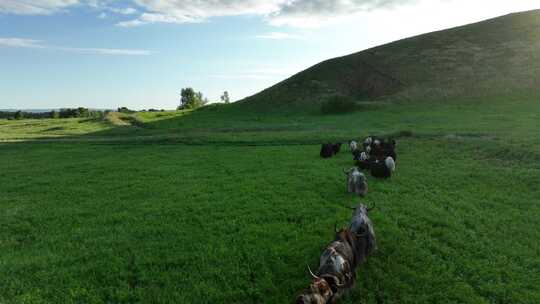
x=226 y=205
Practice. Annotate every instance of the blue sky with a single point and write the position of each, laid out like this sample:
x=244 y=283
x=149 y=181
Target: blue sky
x=140 y=53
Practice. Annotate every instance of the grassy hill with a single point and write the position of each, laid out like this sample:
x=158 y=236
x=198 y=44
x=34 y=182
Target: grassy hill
x=497 y=56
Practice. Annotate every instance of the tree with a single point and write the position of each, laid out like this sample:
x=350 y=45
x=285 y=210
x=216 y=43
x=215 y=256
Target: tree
x=225 y=97
x=55 y=114
x=19 y=115
x=83 y=112
x=189 y=99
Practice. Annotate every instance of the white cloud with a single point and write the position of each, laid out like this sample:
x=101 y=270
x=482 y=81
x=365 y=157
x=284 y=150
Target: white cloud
x=123 y=11
x=313 y=13
x=279 y=36
x=19 y=43
x=37 y=44
x=47 y=7
x=130 y=23
x=34 y=7
x=296 y=13
x=146 y=18
x=191 y=11
x=98 y=51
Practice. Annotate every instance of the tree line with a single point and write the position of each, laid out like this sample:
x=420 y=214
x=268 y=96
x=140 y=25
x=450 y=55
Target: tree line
x=189 y=99
x=79 y=112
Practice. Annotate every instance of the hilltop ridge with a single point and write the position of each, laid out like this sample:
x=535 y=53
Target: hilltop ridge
x=496 y=56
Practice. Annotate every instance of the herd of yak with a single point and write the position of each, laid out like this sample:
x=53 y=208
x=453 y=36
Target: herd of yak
x=352 y=245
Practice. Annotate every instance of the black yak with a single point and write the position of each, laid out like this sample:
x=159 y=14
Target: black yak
x=363 y=161
x=327 y=150
x=389 y=149
x=336 y=148
x=356 y=154
x=383 y=169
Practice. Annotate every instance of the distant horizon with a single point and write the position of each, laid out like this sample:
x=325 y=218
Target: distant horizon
x=109 y=54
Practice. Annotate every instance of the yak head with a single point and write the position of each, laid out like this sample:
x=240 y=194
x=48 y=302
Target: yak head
x=363 y=156
x=354 y=176
x=368 y=141
x=319 y=292
x=354 y=171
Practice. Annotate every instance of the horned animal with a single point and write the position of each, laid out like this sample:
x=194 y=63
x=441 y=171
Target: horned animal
x=337 y=268
x=389 y=149
x=363 y=161
x=353 y=145
x=356 y=182
x=361 y=224
x=383 y=169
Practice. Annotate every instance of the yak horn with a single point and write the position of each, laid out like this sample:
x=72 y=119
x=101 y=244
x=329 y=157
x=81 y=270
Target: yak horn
x=312 y=274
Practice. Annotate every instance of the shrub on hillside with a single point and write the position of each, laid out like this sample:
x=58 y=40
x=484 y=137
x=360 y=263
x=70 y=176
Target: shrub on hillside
x=337 y=104
x=125 y=110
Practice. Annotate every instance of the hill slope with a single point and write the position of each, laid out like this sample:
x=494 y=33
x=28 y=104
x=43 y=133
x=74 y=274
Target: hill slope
x=497 y=56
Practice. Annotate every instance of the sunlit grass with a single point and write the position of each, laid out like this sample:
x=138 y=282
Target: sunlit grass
x=222 y=205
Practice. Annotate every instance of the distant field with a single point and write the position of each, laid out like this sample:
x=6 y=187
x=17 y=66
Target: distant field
x=223 y=205
x=506 y=121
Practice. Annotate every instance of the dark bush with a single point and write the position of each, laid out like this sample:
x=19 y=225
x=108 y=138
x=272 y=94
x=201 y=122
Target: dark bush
x=337 y=105
x=19 y=115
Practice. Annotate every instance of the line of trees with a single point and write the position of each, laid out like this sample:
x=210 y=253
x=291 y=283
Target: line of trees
x=189 y=99
x=62 y=113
